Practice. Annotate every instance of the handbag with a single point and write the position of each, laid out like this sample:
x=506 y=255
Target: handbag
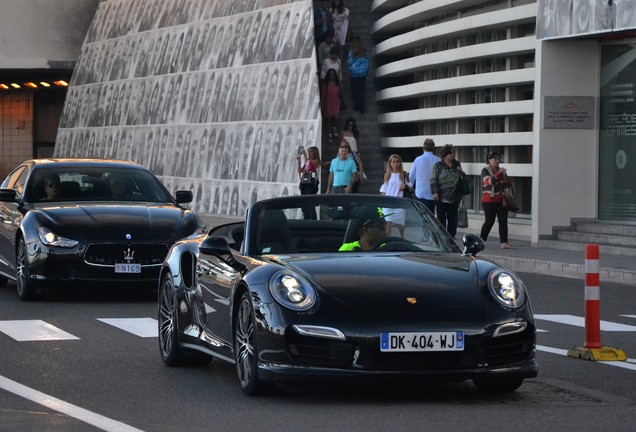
x=509 y=202
x=463 y=186
x=408 y=191
x=462 y=216
x=308 y=177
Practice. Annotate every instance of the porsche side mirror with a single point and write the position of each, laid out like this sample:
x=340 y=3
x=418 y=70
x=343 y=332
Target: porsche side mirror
x=183 y=196
x=473 y=244
x=8 y=195
x=219 y=247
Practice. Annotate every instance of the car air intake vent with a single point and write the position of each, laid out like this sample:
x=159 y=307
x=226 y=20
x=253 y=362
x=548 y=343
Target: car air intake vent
x=137 y=253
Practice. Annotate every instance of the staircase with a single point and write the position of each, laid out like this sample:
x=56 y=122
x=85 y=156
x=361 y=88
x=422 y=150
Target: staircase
x=373 y=157
x=612 y=239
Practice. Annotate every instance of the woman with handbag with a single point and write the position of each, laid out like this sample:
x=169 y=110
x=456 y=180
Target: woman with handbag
x=444 y=179
x=308 y=172
x=495 y=181
x=396 y=181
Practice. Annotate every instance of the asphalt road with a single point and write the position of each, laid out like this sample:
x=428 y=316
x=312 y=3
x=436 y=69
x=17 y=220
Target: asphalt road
x=95 y=352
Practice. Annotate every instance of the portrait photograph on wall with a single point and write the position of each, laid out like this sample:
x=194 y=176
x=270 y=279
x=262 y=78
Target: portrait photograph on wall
x=214 y=97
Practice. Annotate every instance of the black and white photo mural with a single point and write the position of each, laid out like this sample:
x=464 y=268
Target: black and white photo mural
x=214 y=96
x=561 y=18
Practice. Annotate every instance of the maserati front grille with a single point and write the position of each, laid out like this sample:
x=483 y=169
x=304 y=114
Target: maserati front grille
x=134 y=253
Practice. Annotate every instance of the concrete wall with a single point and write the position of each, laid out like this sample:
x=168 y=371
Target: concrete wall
x=565 y=168
x=43 y=34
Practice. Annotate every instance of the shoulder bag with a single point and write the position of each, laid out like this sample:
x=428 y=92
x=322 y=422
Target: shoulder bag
x=463 y=186
x=408 y=191
x=509 y=202
x=462 y=216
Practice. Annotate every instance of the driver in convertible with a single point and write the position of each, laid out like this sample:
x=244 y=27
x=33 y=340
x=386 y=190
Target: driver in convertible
x=372 y=231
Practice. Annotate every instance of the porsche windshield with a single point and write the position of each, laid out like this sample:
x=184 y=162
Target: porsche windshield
x=331 y=223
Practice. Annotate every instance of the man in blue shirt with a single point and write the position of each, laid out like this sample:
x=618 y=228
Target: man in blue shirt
x=342 y=172
x=421 y=174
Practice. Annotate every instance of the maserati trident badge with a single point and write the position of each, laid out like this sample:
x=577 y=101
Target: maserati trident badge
x=129 y=255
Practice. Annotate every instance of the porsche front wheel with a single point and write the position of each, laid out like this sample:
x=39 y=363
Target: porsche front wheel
x=246 y=348
x=25 y=286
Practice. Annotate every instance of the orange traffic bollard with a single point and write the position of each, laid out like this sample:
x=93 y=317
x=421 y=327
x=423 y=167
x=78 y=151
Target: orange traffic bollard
x=592 y=349
x=592 y=297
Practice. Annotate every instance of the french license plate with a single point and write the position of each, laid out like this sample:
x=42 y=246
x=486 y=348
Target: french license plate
x=127 y=268
x=421 y=341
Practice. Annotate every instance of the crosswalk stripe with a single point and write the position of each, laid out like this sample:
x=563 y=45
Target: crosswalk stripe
x=33 y=330
x=580 y=322
x=142 y=327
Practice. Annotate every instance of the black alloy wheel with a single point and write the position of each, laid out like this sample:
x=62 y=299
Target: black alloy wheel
x=25 y=286
x=167 y=321
x=246 y=348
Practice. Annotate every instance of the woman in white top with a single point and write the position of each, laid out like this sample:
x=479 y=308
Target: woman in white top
x=340 y=21
x=352 y=136
x=395 y=181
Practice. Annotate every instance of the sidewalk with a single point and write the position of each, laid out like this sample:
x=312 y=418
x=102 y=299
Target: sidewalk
x=525 y=258
x=563 y=263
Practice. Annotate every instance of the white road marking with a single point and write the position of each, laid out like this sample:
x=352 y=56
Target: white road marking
x=94 y=419
x=142 y=327
x=629 y=364
x=629 y=316
x=33 y=330
x=580 y=322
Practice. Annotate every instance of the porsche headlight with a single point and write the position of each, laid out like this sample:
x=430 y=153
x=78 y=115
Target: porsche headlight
x=292 y=291
x=507 y=288
x=50 y=239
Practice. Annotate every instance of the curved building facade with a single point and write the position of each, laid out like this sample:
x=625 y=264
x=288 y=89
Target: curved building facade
x=461 y=72
x=548 y=84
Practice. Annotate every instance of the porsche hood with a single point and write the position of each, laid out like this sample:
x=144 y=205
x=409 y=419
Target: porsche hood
x=373 y=281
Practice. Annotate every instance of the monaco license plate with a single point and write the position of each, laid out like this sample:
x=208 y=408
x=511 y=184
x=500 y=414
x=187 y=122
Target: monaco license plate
x=127 y=268
x=421 y=341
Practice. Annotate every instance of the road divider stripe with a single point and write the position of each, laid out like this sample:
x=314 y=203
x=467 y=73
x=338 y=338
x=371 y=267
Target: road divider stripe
x=93 y=419
x=629 y=364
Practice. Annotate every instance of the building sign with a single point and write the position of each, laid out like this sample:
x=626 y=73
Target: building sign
x=568 y=112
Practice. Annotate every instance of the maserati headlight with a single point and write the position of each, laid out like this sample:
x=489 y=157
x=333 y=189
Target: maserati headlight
x=507 y=288
x=292 y=291
x=51 y=239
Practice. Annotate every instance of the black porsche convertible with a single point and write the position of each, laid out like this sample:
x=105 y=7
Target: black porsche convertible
x=344 y=294
x=87 y=220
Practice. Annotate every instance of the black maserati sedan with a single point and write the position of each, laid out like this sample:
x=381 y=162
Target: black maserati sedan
x=87 y=220
x=336 y=286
